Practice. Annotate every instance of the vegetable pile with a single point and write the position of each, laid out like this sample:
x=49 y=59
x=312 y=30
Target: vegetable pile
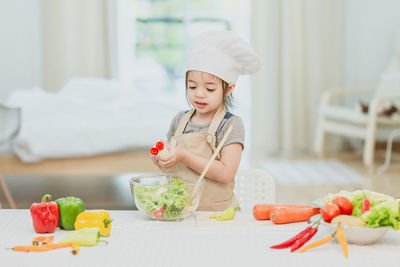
x=299 y=240
x=87 y=237
x=164 y=201
x=67 y=214
x=372 y=209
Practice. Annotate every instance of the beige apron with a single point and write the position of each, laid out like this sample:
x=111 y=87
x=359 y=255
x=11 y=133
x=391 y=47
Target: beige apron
x=216 y=196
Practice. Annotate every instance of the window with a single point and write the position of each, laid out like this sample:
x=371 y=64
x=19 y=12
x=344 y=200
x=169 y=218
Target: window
x=151 y=38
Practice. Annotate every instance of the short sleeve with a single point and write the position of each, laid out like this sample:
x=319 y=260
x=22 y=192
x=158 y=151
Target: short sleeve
x=174 y=125
x=237 y=135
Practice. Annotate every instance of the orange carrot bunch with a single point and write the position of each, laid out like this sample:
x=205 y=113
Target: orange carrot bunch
x=45 y=243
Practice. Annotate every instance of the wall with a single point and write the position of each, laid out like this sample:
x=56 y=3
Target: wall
x=20 y=45
x=371 y=29
x=75 y=41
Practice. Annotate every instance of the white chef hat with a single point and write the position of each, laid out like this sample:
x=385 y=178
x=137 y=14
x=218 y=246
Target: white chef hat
x=224 y=54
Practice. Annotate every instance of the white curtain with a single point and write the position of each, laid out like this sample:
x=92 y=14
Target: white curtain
x=75 y=41
x=300 y=43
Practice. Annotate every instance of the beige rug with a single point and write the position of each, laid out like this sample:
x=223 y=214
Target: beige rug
x=306 y=172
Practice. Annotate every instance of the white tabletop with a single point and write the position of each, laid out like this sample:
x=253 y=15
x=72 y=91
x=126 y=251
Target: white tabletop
x=195 y=241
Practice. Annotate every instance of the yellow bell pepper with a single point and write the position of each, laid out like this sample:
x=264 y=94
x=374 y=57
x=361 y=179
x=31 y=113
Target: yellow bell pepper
x=226 y=215
x=94 y=218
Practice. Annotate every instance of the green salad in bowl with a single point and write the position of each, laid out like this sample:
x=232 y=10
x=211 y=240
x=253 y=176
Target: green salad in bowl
x=163 y=197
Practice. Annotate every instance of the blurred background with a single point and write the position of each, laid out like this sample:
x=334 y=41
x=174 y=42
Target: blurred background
x=86 y=87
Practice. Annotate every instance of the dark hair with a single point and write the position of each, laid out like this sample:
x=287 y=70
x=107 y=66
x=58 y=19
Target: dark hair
x=228 y=101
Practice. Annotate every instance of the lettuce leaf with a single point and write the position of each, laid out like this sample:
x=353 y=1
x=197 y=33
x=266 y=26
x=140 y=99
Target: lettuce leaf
x=357 y=203
x=385 y=213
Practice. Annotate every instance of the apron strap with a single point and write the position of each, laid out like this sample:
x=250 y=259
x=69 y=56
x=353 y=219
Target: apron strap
x=184 y=121
x=216 y=121
x=212 y=129
x=181 y=126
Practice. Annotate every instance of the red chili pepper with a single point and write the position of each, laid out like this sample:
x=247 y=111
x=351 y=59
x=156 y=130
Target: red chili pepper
x=365 y=205
x=160 y=145
x=45 y=215
x=154 y=151
x=302 y=240
x=289 y=242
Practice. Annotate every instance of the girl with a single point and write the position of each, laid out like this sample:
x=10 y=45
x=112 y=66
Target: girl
x=214 y=63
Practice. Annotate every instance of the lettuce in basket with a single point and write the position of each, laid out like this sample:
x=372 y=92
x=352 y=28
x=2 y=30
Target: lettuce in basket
x=384 y=209
x=385 y=213
x=172 y=197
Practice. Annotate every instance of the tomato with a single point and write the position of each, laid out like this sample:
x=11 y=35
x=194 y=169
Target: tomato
x=344 y=204
x=160 y=145
x=154 y=151
x=158 y=214
x=329 y=211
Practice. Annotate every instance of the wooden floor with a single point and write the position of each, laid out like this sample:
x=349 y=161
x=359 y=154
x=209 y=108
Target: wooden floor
x=103 y=181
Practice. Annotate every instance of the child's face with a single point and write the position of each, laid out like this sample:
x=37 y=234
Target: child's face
x=205 y=92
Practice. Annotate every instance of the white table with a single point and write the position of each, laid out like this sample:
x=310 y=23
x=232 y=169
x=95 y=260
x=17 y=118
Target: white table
x=195 y=241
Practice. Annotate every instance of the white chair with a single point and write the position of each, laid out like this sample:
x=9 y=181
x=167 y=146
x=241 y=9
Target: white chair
x=392 y=136
x=254 y=186
x=340 y=120
x=9 y=128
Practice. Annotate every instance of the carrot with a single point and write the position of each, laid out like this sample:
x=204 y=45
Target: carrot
x=75 y=248
x=280 y=215
x=42 y=239
x=342 y=240
x=31 y=248
x=317 y=243
x=262 y=211
x=57 y=245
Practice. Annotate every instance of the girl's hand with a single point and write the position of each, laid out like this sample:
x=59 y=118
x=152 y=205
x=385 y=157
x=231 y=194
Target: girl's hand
x=154 y=160
x=170 y=159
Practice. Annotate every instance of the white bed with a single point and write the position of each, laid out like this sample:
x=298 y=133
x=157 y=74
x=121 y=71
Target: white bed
x=87 y=117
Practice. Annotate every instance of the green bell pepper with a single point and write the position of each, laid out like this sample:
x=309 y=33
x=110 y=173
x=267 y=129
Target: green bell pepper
x=69 y=208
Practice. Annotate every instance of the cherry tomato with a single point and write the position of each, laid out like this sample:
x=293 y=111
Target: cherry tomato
x=344 y=204
x=158 y=213
x=160 y=145
x=154 y=151
x=329 y=211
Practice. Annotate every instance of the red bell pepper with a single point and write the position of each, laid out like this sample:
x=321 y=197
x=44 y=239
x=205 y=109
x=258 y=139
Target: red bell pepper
x=45 y=215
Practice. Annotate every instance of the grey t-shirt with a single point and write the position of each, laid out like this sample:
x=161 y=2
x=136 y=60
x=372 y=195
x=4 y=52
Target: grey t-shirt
x=236 y=136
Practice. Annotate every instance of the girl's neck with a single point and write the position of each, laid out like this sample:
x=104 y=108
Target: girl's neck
x=203 y=118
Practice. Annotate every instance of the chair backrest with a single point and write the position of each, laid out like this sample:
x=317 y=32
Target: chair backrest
x=389 y=83
x=254 y=186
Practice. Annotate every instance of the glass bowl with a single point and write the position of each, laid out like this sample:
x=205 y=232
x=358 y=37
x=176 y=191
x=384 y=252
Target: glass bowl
x=358 y=234
x=163 y=197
